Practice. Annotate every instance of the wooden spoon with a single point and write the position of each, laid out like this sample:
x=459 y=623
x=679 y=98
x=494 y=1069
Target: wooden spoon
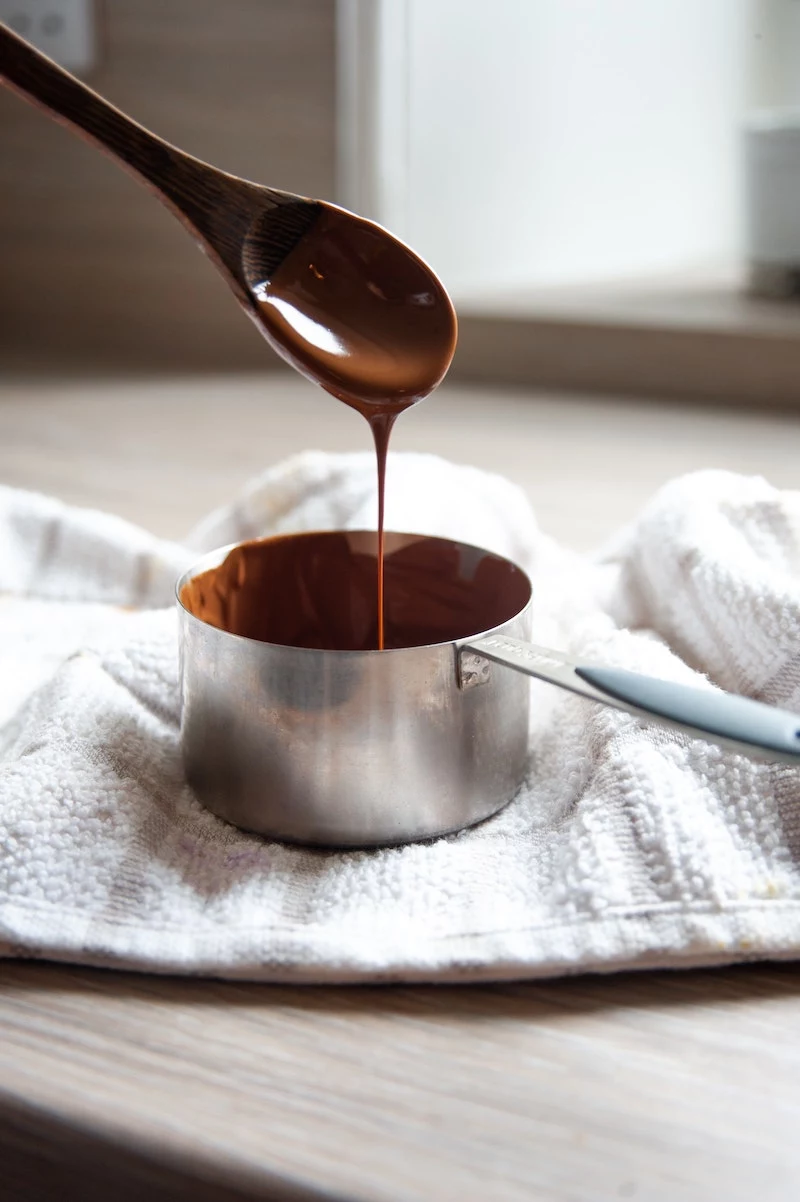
x=342 y=300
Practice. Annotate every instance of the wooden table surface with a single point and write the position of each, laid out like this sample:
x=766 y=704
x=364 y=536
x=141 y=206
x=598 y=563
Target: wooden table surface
x=661 y=1087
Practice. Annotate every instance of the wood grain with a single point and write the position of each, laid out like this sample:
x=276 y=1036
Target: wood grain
x=658 y=1087
x=668 y=1087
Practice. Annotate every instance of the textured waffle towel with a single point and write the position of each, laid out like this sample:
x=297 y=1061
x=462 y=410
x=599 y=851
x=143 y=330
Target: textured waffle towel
x=627 y=847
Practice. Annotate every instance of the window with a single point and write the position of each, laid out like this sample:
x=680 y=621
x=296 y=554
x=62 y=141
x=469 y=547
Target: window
x=540 y=144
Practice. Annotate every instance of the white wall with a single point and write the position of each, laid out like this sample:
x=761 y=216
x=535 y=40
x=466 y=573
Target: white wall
x=562 y=141
x=528 y=143
x=775 y=80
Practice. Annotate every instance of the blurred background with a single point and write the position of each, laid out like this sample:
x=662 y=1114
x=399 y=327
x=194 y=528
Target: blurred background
x=550 y=159
x=610 y=191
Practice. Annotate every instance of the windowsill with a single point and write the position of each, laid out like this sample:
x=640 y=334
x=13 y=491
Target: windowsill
x=687 y=341
x=701 y=339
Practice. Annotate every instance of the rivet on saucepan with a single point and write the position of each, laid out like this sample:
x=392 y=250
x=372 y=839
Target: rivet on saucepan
x=472 y=670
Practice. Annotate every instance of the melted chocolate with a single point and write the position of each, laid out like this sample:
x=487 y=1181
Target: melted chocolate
x=357 y=312
x=317 y=590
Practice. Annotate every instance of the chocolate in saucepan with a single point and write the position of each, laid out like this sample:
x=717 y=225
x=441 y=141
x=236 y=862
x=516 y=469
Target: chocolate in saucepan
x=318 y=590
x=358 y=313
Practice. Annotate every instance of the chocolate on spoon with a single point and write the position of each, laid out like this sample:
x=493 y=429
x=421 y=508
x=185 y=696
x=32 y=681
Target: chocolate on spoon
x=340 y=298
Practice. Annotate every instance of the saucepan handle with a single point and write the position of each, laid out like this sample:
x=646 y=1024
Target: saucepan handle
x=747 y=726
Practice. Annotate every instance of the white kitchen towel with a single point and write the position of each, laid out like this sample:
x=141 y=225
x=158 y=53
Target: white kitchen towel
x=627 y=847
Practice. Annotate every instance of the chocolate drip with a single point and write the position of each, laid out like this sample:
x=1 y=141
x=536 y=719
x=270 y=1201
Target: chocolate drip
x=359 y=314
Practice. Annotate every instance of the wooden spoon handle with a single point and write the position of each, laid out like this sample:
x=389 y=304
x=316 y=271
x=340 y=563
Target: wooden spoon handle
x=40 y=80
x=211 y=203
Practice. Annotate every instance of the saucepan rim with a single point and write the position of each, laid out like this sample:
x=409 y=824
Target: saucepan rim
x=215 y=557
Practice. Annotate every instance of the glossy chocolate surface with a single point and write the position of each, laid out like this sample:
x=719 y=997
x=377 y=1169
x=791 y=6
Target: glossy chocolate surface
x=318 y=590
x=356 y=311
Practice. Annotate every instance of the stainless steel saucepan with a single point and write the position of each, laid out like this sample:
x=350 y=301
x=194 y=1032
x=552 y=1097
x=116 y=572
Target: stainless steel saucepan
x=365 y=748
